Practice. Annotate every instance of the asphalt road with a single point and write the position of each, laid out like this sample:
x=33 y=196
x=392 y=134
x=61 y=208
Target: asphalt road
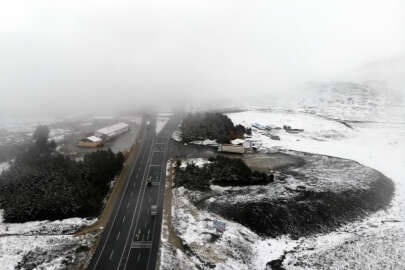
x=132 y=235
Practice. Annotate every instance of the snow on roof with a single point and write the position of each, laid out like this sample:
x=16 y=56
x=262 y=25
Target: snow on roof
x=94 y=139
x=237 y=141
x=113 y=128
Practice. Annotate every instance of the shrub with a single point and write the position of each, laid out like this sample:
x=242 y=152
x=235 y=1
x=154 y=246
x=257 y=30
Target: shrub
x=43 y=184
x=213 y=126
x=220 y=171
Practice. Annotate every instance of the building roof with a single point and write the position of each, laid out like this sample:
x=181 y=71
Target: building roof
x=112 y=129
x=94 y=139
x=232 y=145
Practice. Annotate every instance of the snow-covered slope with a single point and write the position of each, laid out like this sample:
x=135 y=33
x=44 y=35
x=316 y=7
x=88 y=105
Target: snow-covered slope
x=376 y=139
x=379 y=144
x=41 y=244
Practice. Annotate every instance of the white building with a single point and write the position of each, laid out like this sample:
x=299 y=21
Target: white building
x=90 y=142
x=231 y=148
x=112 y=131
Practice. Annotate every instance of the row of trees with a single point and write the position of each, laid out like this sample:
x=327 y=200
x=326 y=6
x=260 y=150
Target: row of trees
x=43 y=184
x=213 y=126
x=220 y=171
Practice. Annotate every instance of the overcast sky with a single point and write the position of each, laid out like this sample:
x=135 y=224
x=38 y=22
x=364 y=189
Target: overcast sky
x=75 y=55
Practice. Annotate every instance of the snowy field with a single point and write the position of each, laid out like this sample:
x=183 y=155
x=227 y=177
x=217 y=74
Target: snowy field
x=4 y=166
x=374 y=243
x=47 y=244
x=24 y=124
x=160 y=123
x=376 y=139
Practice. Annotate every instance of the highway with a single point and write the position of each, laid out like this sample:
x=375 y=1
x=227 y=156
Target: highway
x=132 y=236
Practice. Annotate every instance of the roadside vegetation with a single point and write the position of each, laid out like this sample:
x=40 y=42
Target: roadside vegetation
x=9 y=151
x=42 y=184
x=221 y=171
x=213 y=126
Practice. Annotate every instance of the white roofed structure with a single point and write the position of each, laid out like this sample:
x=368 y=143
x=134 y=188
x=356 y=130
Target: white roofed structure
x=94 y=139
x=112 y=131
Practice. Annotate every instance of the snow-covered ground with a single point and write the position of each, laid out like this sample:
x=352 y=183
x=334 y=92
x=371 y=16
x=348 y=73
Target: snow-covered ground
x=48 y=244
x=24 y=124
x=160 y=123
x=4 y=166
x=58 y=134
x=315 y=128
x=376 y=139
x=374 y=243
x=227 y=250
x=199 y=162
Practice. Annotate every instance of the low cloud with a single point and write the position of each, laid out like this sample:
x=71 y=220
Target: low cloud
x=113 y=55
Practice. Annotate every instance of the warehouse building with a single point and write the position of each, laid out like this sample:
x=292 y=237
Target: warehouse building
x=111 y=132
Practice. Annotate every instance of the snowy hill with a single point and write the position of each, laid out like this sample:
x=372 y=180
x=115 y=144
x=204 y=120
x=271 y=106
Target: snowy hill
x=351 y=101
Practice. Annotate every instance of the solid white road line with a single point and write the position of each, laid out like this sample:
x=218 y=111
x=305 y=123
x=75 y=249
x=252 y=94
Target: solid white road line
x=120 y=202
x=158 y=203
x=140 y=197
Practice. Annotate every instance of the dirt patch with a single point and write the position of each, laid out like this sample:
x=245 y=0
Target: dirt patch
x=271 y=161
x=173 y=238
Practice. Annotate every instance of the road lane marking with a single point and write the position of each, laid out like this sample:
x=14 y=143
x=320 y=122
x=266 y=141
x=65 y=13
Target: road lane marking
x=141 y=153
x=112 y=253
x=118 y=236
x=139 y=200
x=127 y=205
x=139 y=256
x=159 y=202
x=123 y=219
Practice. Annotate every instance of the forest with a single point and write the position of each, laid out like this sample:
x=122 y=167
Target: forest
x=213 y=126
x=220 y=171
x=42 y=184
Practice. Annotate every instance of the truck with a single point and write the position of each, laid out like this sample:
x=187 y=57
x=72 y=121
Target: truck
x=230 y=148
x=153 y=210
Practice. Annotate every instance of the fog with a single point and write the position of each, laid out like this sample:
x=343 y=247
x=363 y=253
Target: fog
x=73 y=56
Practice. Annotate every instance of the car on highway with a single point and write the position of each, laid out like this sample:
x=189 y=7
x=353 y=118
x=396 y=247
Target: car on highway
x=153 y=210
x=149 y=181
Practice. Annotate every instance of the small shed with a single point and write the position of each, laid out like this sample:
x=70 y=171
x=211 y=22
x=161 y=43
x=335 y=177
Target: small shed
x=91 y=142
